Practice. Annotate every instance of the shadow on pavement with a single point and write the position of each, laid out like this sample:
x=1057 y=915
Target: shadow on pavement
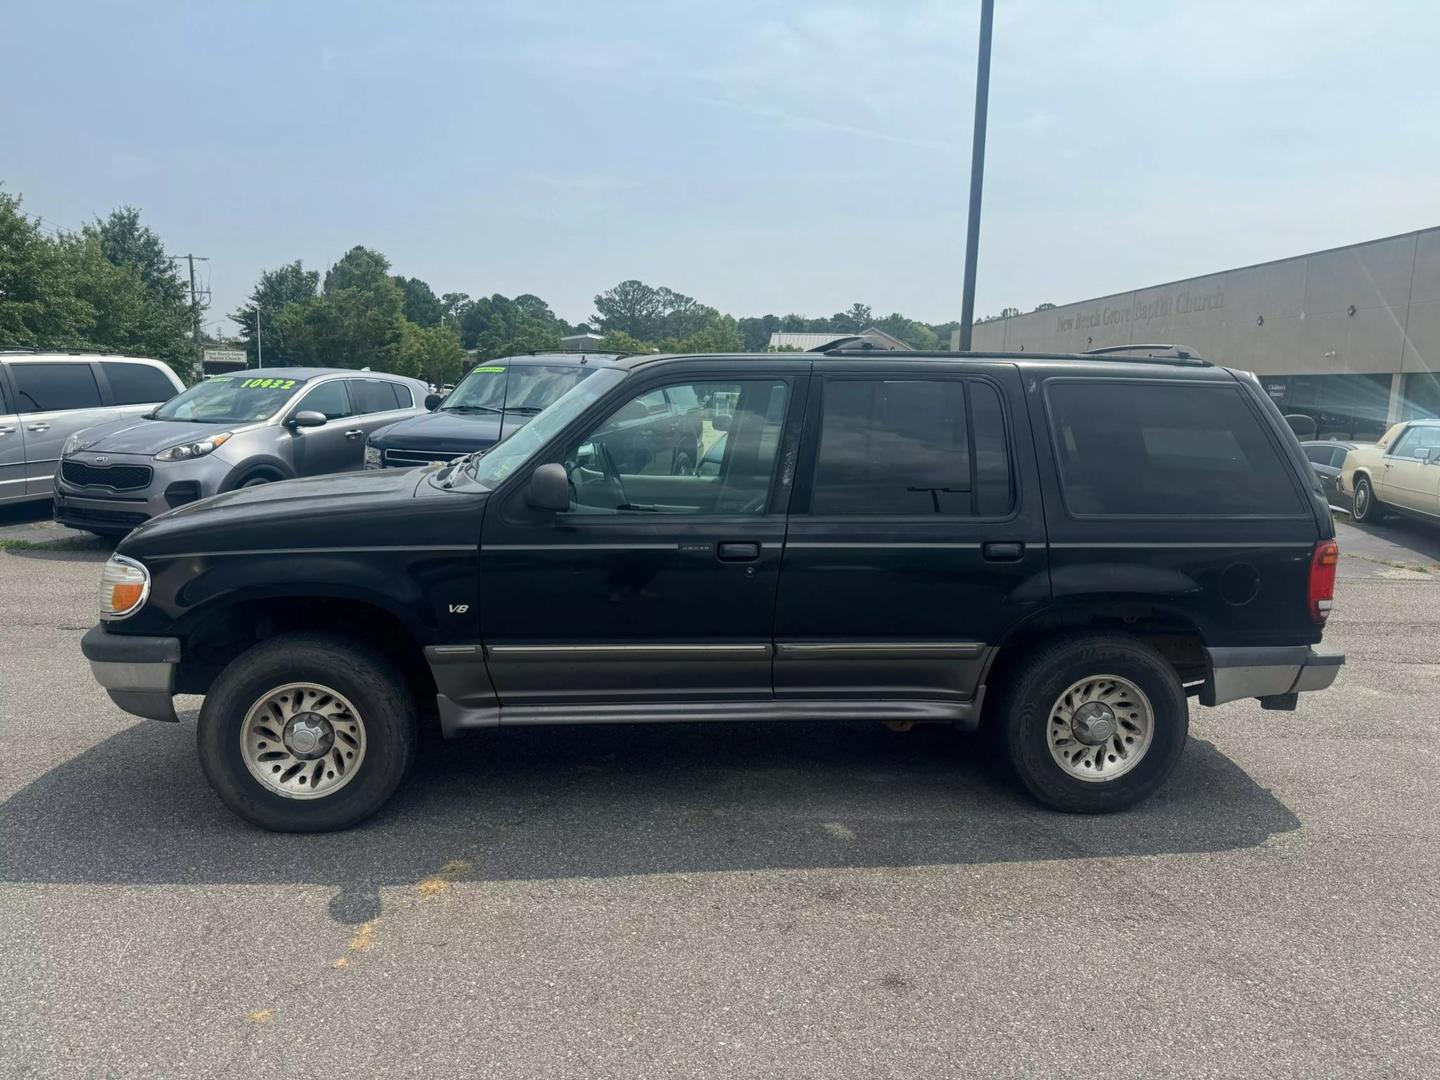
x=606 y=801
x=1417 y=537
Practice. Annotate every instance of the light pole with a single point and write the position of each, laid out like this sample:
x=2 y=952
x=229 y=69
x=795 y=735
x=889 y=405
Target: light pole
x=259 y=345
x=977 y=173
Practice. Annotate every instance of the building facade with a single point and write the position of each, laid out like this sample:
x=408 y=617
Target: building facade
x=1349 y=336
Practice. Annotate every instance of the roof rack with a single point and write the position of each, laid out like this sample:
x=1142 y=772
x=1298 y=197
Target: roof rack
x=1134 y=354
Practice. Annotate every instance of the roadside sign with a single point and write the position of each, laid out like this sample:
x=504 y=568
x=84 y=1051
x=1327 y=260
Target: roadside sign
x=218 y=360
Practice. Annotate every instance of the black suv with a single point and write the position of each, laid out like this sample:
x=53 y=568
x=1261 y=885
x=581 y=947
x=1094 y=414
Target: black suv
x=493 y=400
x=1062 y=549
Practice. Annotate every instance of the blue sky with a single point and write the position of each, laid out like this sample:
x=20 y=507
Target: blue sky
x=777 y=156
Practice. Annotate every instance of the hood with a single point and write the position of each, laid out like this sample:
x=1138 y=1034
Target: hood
x=133 y=435
x=447 y=431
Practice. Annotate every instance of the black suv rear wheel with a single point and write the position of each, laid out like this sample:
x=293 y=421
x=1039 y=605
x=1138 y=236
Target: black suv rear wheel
x=1094 y=723
x=307 y=733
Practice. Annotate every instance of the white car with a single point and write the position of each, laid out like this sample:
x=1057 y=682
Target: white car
x=1400 y=473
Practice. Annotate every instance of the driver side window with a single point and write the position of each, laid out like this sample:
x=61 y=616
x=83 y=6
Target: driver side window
x=687 y=448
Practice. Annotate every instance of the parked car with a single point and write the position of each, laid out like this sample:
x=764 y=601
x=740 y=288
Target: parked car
x=1327 y=458
x=230 y=431
x=493 y=400
x=1399 y=473
x=1062 y=548
x=47 y=397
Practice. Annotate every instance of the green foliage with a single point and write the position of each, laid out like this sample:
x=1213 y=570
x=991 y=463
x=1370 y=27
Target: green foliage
x=618 y=341
x=288 y=284
x=719 y=334
x=109 y=287
x=498 y=326
x=432 y=353
x=422 y=306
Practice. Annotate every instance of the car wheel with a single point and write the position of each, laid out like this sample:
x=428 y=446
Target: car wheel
x=256 y=481
x=1364 y=506
x=683 y=465
x=307 y=733
x=1094 y=723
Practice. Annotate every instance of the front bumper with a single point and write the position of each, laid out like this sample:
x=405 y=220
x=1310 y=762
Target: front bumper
x=137 y=672
x=1268 y=672
x=105 y=509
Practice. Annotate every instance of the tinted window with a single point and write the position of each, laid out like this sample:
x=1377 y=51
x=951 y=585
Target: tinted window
x=1156 y=448
x=137 y=384
x=1319 y=453
x=373 y=395
x=1340 y=455
x=5 y=405
x=46 y=387
x=651 y=457
x=903 y=446
x=404 y=399
x=328 y=398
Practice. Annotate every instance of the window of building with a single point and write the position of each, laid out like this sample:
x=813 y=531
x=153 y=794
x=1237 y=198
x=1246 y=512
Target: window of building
x=1156 y=449
x=912 y=447
x=52 y=387
x=137 y=384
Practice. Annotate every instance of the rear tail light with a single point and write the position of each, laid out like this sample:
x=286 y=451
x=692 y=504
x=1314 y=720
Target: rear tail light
x=1322 y=579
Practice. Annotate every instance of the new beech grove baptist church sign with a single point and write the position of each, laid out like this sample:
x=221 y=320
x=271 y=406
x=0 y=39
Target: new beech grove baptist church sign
x=1185 y=302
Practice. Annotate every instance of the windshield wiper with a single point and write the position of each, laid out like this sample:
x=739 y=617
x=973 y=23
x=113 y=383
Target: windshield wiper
x=531 y=409
x=470 y=408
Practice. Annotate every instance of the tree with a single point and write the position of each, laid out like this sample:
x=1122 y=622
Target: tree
x=357 y=321
x=756 y=331
x=422 y=306
x=618 y=341
x=276 y=289
x=358 y=268
x=631 y=307
x=431 y=353
x=124 y=241
x=38 y=306
x=719 y=334
x=851 y=321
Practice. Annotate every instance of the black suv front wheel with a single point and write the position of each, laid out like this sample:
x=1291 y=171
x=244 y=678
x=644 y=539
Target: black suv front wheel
x=1094 y=723
x=307 y=733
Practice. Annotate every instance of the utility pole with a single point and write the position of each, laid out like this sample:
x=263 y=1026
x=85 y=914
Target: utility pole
x=259 y=345
x=195 y=312
x=977 y=173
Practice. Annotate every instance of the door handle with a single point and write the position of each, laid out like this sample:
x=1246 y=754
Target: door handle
x=1003 y=551
x=38 y=427
x=737 y=551
x=354 y=433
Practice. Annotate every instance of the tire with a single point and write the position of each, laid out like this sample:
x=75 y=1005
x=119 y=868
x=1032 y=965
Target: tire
x=256 y=481
x=1128 y=674
x=683 y=464
x=1363 y=505
x=357 y=684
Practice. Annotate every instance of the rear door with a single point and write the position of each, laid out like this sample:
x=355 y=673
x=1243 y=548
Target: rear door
x=375 y=403
x=12 y=446
x=916 y=536
x=55 y=399
x=134 y=388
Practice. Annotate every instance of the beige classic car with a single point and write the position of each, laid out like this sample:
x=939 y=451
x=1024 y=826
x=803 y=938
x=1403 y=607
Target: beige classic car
x=1400 y=473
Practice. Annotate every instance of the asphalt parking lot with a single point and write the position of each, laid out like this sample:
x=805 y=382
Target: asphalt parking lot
x=796 y=901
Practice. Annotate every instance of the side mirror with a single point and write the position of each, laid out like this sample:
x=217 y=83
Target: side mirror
x=306 y=418
x=549 y=488
x=721 y=421
x=432 y=401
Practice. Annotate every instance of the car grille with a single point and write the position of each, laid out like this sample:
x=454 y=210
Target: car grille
x=114 y=477
x=82 y=516
x=407 y=459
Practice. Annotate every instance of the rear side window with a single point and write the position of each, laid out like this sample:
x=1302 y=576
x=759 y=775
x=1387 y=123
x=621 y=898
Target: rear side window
x=137 y=384
x=373 y=395
x=911 y=447
x=50 y=387
x=1163 y=449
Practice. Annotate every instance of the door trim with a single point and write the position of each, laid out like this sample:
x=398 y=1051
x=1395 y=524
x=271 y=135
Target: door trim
x=871 y=650
x=545 y=653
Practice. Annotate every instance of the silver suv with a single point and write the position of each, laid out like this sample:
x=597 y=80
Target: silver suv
x=47 y=397
x=228 y=432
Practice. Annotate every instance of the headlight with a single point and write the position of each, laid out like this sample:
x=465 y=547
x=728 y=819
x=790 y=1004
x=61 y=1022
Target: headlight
x=185 y=451
x=124 y=586
x=71 y=445
x=373 y=458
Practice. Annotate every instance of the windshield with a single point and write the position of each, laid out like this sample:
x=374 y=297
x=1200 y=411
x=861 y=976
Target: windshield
x=506 y=456
x=523 y=387
x=230 y=399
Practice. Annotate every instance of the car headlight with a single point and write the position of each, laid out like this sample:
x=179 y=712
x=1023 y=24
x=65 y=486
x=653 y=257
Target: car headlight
x=71 y=445
x=373 y=459
x=186 y=451
x=124 y=587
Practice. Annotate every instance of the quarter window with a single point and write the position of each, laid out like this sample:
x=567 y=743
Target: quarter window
x=695 y=448
x=911 y=447
x=137 y=384
x=52 y=387
x=1157 y=449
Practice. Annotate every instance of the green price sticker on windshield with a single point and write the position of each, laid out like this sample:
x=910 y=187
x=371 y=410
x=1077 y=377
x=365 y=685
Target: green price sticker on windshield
x=268 y=384
x=490 y=369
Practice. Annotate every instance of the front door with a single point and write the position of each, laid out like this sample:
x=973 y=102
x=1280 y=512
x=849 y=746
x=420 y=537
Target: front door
x=336 y=446
x=915 y=538
x=658 y=584
x=1407 y=479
